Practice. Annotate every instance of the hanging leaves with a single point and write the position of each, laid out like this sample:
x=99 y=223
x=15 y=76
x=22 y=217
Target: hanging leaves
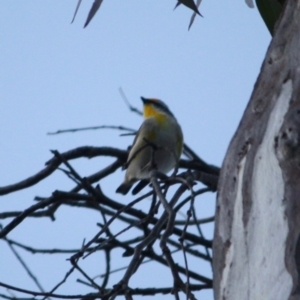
x=97 y=3
x=190 y=4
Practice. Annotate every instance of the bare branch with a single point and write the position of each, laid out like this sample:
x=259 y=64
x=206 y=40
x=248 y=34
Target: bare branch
x=131 y=108
x=15 y=222
x=92 y=128
x=52 y=165
x=163 y=227
x=25 y=266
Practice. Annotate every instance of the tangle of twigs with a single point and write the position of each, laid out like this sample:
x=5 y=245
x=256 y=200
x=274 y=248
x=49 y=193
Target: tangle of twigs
x=158 y=233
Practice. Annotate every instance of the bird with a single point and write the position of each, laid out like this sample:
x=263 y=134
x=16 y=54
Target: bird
x=157 y=146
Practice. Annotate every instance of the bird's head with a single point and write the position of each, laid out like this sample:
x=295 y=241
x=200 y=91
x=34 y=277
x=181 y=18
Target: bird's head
x=155 y=107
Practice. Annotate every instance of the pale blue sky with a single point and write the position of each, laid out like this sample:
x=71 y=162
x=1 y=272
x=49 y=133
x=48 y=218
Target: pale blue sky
x=54 y=75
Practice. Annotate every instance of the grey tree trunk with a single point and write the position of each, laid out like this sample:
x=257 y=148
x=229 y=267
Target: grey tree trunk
x=257 y=242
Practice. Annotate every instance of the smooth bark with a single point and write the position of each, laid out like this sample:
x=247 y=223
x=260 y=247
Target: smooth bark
x=256 y=244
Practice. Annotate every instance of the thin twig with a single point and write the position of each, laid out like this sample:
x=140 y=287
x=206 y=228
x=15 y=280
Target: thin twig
x=72 y=130
x=27 y=269
x=54 y=163
x=61 y=282
x=16 y=221
x=152 y=235
x=125 y=99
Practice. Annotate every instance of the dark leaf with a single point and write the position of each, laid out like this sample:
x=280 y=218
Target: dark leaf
x=194 y=15
x=93 y=11
x=190 y=4
x=270 y=11
x=76 y=10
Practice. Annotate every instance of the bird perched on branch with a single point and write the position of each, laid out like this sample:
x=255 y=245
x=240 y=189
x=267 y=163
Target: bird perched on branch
x=157 y=145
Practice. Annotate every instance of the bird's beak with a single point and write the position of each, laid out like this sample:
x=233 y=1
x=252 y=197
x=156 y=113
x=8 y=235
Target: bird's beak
x=144 y=100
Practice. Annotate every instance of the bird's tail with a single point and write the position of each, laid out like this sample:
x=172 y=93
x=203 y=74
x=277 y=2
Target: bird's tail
x=140 y=186
x=124 y=188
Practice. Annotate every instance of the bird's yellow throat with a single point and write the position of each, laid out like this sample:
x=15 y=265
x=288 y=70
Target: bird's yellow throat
x=150 y=111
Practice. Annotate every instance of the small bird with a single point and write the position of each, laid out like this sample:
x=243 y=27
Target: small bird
x=157 y=145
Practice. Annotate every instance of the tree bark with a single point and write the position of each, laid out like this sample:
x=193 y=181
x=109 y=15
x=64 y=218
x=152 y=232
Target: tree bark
x=257 y=233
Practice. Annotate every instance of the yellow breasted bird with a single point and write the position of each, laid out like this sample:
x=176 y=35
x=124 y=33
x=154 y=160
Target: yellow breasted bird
x=157 y=145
